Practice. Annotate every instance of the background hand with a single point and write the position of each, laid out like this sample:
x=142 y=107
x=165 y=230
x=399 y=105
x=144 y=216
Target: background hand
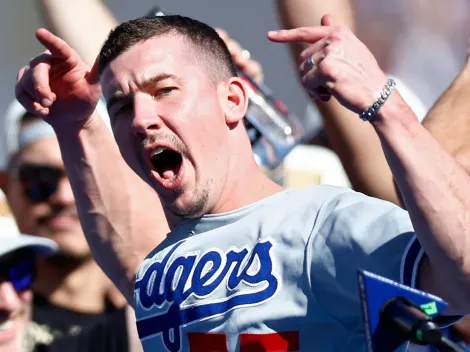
x=57 y=84
x=343 y=66
x=242 y=57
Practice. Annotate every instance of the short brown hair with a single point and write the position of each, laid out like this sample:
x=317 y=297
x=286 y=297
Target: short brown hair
x=203 y=38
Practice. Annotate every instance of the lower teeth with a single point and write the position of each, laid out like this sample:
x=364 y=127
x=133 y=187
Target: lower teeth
x=6 y=325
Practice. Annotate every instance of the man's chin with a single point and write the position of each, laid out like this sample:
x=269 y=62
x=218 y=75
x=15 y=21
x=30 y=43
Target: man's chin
x=185 y=202
x=185 y=210
x=69 y=257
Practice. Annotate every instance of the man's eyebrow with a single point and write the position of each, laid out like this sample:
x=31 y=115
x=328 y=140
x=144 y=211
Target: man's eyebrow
x=142 y=85
x=114 y=98
x=156 y=79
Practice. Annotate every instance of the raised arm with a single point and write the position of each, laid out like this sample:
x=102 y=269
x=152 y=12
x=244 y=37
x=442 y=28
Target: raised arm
x=355 y=142
x=121 y=217
x=307 y=13
x=449 y=119
x=435 y=188
x=83 y=24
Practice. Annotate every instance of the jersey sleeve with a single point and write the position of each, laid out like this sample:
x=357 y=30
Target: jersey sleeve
x=354 y=232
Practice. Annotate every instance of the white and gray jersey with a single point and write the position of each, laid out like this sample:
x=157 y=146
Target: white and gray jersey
x=278 y=275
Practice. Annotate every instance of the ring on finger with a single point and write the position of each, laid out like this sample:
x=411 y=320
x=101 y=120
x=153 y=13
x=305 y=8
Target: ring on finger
x=310 y=63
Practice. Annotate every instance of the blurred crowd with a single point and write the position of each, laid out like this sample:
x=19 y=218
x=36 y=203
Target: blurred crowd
x=53 y=295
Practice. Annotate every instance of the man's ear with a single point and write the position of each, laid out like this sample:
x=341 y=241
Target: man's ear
x=3 y=180
x=234 y=97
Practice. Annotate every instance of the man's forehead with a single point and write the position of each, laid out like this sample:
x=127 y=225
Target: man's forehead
x=45 y=149
x=165 y=54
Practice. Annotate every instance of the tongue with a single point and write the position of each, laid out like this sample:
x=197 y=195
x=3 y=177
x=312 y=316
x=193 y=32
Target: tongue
x=168 y=174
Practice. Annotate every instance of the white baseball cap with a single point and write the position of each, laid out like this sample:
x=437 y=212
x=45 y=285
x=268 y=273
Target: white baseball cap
x=10 y=126
x=11 y=239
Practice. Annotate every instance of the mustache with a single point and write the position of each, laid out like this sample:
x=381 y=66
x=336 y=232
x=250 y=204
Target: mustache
x=58 y=210
x=5 y=314
x=170 y=139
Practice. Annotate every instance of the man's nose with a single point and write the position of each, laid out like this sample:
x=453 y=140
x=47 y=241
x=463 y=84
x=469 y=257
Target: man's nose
x=9 y=299
x=63 y=195
x=146 y=116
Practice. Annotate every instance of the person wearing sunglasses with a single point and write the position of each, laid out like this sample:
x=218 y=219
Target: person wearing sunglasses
x=74 y=302
x=17 y=271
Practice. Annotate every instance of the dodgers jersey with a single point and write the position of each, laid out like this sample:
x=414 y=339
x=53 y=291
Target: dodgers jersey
x=277 y=275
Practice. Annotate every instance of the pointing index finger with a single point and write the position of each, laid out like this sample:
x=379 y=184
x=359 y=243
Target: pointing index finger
x=58 y=48
x=302 y=34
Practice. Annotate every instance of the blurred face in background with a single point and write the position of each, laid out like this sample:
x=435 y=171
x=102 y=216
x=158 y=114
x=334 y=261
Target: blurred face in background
x=41 y=198
x=16 y=274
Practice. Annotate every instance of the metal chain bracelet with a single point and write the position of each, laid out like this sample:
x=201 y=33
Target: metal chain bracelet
x=384 y=95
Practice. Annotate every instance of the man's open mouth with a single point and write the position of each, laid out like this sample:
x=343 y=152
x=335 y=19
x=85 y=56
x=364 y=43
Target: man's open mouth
x=166 y=162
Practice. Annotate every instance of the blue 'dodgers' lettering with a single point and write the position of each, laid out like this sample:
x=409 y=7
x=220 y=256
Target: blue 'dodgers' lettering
x=173 y=277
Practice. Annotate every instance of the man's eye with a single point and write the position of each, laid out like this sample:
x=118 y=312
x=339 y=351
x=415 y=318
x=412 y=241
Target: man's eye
x=123 y=108
x=165 y=91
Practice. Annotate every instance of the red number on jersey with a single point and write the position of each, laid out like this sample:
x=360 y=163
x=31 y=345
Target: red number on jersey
x=275 y=342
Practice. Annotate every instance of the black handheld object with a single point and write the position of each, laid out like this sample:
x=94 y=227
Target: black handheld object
x=412 y=323
x=394 y=314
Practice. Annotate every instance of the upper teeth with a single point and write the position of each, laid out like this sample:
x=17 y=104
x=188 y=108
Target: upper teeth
x=158 y=151
x=6 y=325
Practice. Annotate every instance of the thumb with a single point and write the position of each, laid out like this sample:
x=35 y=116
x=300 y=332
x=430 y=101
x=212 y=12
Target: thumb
x=327 y=20
x=93 y=77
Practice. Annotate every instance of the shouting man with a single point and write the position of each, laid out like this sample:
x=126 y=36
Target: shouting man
x=219 y=257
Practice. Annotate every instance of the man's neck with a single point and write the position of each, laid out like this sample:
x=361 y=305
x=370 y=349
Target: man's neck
x=82 y=288
x=245 y=182
x=247 y=188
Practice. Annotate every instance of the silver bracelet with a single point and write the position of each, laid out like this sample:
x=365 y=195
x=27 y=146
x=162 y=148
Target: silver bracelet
x=384 y=95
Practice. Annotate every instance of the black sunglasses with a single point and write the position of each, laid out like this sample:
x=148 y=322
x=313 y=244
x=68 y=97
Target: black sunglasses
x=19 y=271
x=40 y=182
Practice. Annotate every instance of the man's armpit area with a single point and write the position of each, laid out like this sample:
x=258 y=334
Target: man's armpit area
x=428 y=280
x=424 y=281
